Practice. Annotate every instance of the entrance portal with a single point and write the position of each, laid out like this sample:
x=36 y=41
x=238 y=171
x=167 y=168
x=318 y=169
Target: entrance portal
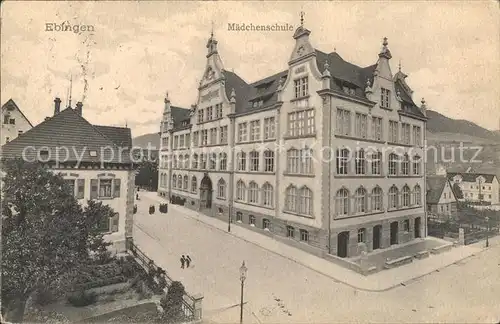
x=394 y=232
x=417 y=226
x=377 y=233
x=206 y=192
x=342 y=244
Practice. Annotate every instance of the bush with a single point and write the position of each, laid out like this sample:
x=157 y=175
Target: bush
x=82 y=298
x=44 y=297
x=172 y=303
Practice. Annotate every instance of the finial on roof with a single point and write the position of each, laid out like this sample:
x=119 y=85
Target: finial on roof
x=398 y=94
x=326 y=65
x=212 y=32
x=399 y=65
x=422 y=102
x=326 y=71
x=70 y=90
x=335 y=50
x=368 y=89
x=302 y=18
x=126 y=125
x=384 y=52
x=233 y=93
x=368 y=83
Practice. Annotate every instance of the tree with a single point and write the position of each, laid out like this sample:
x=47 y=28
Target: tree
x=457 y=191
x=172 y=303
x=45 y=233
x=148 y=175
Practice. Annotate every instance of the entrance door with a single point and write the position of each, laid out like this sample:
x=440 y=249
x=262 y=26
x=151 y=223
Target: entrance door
x=342 y=244
x=377 y=232
x=206 y=192
x=394 y=232
x=417 y=226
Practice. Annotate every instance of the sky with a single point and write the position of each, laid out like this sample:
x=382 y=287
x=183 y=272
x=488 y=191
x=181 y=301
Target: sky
x=140 y=50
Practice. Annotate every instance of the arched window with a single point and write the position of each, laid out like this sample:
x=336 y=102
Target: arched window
x=203 y=162
x=240 y=190
x=393 y=164
x=305 y=201
x=194 y=184
x=416 y=165
x=376 y=161
x=254 y=161
x=253 y=193
x=342 y=202
x=306 y=161
x=174 y=181
x=221 y=189
x=268 y=161
x=175 y=161
x=291 y=198
x=360 y=200
x=406 y=196
x=405 y=165
x=292 y=157
x=186 y=161
x=186 y=181
x=343 y=161
x=393 y=197
x=194 y=162
x=242 y=161
x=417 y=195
x=266 y=223
x=179 y=182
x=223 y=161
x=213 y=161
x=360 y=162
x=377 y=199
x=267 y=195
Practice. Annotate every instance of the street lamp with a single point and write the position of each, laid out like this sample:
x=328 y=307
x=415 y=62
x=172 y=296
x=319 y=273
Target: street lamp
x=229 y=223
x=243 y=276
x=487 y=230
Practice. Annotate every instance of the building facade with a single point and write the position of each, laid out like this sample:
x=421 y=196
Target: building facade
x=14 y=122
x=324 y=155
x=477 y=187
x=94 y=160
x=442 y=202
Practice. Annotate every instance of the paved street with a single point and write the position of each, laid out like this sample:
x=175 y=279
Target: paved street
x=279 y=290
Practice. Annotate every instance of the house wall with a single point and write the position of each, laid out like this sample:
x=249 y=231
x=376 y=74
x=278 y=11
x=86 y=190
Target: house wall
x=11 y=131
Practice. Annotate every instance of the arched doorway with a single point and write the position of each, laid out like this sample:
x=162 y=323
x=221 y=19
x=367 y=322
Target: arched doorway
x=206 y=192
x=417 y=227
x=342 y=244
x=377 y=235
x=394 y=233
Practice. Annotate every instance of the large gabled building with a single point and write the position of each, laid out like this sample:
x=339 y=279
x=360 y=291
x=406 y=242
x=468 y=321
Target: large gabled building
x=94 y=160
x=324 y=155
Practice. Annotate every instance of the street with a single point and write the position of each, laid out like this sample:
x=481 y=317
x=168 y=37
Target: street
x=278 y=290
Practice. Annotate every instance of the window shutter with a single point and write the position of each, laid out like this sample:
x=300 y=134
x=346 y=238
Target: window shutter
x=94 y=184
x=114 y=222
x=117 y=187
x=80 y=189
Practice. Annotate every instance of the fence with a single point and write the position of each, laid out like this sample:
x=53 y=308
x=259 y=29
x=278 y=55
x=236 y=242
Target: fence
x=191 y=310
x=472 y=233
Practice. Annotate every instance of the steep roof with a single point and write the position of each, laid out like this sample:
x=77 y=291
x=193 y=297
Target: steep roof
x=435 y=187
x=471 y=177
x=179 y=115
x=67 y=137
x=409 y=106
x=11 y=103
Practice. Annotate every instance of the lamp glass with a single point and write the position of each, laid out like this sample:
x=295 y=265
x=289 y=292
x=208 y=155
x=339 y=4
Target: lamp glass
x=243 y=271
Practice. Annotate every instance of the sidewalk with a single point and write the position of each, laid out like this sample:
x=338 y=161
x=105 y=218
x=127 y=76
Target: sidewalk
x=377 y=282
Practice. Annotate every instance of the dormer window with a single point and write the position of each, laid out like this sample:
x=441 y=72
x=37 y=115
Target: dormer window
x=385 y=98
x=93 y=153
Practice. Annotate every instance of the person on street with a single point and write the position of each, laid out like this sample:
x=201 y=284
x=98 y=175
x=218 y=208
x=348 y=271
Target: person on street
x=183 y=260
x=188 y=261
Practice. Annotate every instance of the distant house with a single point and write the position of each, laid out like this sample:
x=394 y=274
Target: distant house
x=477 y=187
x=441 y=200
x=14 y=122
x=93 y=160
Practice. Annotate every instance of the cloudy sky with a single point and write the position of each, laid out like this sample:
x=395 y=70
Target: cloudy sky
x=140 y=50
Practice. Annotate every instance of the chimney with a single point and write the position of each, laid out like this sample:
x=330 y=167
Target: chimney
x=57 y=106
x=79 y=107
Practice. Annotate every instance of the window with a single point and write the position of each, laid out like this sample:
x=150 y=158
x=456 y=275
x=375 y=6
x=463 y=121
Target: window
x=360 y=162
x=176 y=141
x=251 y=220
x=377 y=203
x=405 y=133
x=255 y=130
x=393 y=197
x=200 y=116
x=385 y=101
x=194 y=184
x=290 y=231
x=179 y=182
x=416 y=165
x=221 y=189
x=213 y=161
x=254 y=161
x=218 y=110
x=186 y=161
x=361 y=125
x=105 y=188
x=240 y=191
x=174 y=181
x=301 y=123
x=417 y=195
x=12 y=121
x=343 y=161
x=6 y=119
x=266 y=224
x=71 y=185
x=204 y=137
x=268 y=161
x=267 y=195
x=305 y=201
x=186 y=182
x=213 y=136
x=406 y=196
x=269 y=128
x=242 y=161
x=362 y=235
x=304 y=235
x=377 y=128
x=242 y=132
x=239 y=217
x=376 y=162
x=291 y=198
x=194 y=163
x=417 y=136
x=343 y=122
x=181 y=141
x=301 y=87
x=299 y=161
x=223 y=135
x=209 y=113
x=188 y=140
x=253 y=193
x=203 y=163
x=342 y=202
x=293 y=161
x=393 y=131
x=360 y=200
x=405 y=165
x=19 y=132
x=196 y=136
x=80 y=189
x=406 y=225
x=393 y=164
x=223 y=161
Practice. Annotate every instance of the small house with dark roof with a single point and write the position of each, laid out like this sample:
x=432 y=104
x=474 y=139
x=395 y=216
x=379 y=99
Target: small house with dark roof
x=14 y=122
x=441 y=199
x=273 y=154
x=477 y=187
x=94 y=160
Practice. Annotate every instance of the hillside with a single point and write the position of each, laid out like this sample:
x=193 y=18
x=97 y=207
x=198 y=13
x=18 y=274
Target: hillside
x=143 y=140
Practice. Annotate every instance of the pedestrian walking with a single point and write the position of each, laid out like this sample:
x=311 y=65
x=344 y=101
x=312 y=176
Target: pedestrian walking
x=183 y=260
x=188 y=261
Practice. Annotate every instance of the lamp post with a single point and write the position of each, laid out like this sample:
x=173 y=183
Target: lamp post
x=243 y=276
x=487 y=230
x=229 y=223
